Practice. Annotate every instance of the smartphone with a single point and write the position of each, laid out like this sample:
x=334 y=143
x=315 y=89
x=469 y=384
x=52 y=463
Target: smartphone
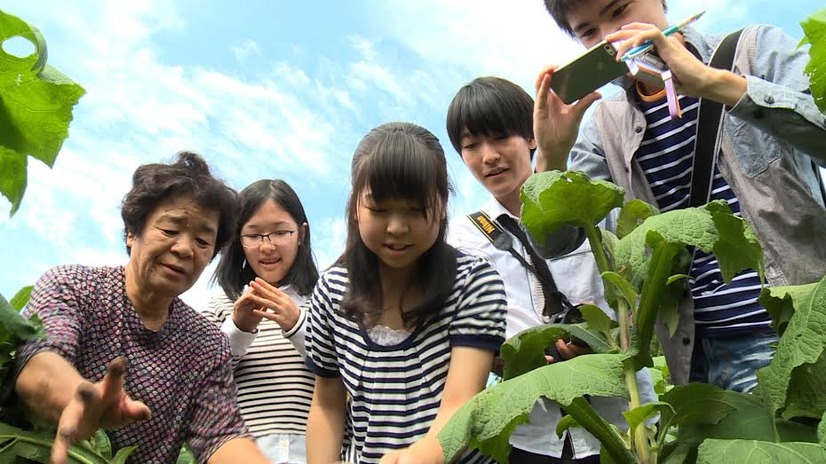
x=588 y=72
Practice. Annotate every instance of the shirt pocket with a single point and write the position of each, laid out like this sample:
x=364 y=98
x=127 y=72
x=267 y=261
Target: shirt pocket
x=754 y=149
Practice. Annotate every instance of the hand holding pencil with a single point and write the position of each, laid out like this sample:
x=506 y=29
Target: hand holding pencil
x=670 y=30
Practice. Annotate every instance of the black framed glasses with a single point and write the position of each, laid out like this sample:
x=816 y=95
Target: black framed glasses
x=279 y=237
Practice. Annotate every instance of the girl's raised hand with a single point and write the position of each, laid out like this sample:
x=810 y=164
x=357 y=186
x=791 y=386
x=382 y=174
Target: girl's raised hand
x=243 y=311
x=273 y=304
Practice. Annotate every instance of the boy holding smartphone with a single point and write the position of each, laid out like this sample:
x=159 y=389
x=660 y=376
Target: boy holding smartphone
x=770 y=146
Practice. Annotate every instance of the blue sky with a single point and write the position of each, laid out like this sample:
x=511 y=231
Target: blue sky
x=270 y=89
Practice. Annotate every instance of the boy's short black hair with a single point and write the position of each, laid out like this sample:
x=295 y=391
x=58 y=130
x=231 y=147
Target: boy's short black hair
x=559 y=11
x=490 y=107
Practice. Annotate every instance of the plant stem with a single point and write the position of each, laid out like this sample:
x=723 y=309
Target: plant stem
x=595 y=240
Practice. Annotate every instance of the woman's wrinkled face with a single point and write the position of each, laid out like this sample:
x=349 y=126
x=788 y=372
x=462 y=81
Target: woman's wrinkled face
x=177 y=243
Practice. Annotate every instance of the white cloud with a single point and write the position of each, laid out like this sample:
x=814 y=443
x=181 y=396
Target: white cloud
x=246 y=49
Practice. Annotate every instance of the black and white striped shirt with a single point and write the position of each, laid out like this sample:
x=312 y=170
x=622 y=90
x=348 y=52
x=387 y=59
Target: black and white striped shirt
x=666 y=155
x=275 y=388
x=396 y=390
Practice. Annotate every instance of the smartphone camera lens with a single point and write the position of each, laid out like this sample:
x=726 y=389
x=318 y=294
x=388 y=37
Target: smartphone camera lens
x=609 y=49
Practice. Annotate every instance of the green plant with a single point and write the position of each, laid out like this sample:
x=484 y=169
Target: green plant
x=814 y=29
x=36 y=102
x=643 y=269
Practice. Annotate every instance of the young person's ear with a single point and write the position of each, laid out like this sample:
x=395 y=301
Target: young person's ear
x=302 y=232
x=532 y=143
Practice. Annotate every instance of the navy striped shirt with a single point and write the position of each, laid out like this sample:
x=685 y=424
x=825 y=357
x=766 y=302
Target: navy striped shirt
x=666 y=155
x=396 y=390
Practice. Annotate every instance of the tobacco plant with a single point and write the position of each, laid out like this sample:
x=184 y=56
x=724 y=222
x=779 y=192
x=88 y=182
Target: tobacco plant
x=643 y=269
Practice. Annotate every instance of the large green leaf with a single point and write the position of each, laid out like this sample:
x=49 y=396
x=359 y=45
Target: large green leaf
x=793 y=381
x=759 y=452
x=781 y=301
x=487 y=421
x=19 y=300
x=525 y=351
x=815 y=29
x=12 y=323
x=36 y=104
x=552 y=199
x=717 y=413
x=821 y=430
x=633 y=214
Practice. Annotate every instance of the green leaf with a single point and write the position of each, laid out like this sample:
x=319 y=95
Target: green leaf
x=13 y=323
x=795 y=431
x=815 y=34
x=19 y=300
x=623 y=287
x=525 y=351
x=705 y=411
x=793 y=381
x=566 y=423
x=36 y=104
x=13 y=180
x=757 y=452
x=122 y=455
x=487 y=421
x=677 y=453
x=635 y=417
x=633 y=214
x=596 y=319
x=585 y=414
x=821 y=430
x=738 y=248
x=781 y=301
x=697 y=404
x=552 y=199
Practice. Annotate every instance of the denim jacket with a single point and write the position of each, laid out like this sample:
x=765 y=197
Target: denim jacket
x=771 y=143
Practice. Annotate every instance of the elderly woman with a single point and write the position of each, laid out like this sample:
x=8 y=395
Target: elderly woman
x=101 y=320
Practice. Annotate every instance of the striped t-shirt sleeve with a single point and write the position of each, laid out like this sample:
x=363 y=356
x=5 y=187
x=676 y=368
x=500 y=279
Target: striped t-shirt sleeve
x=482 y=307
x=321 y=353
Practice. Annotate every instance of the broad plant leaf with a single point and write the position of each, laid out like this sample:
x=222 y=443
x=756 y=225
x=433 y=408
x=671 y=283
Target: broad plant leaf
x=36 y=102
x=649 y=253
x=793 y=381
x=596 y=319
x=635 y=417
x=15 y=325
x=758 y=452
x=624 y=287
x=525 y=351
x=821 y=430
x=746 y=417
x=696 y=404
x=795 y=431
x=781 y=301
x=633 y=214
x=487 y=421
x=552 y=199
x=19 y=300
x=814 y=29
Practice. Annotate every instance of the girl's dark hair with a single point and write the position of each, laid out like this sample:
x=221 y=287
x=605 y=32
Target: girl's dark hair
x=233 y=271
x=559 y=12
x=152 y=184
x=398 y=160
x=490 y=107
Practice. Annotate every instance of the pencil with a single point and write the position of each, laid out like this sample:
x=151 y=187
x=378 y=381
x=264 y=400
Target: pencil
x=670 y=30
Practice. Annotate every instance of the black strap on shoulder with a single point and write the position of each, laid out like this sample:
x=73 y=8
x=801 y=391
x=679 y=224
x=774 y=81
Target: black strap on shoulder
x=709 y=120
x=556 y=303
x=498 y=237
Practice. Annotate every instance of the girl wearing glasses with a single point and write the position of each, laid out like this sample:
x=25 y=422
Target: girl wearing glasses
x=266 y=273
